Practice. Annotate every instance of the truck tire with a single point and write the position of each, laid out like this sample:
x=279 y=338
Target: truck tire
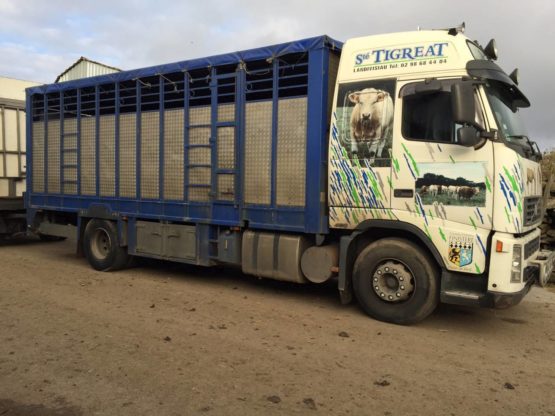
x=396 y=281
x=101 y=246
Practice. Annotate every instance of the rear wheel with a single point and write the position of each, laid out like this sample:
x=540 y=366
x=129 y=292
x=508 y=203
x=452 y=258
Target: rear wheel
x=396 y=281
x=101 y=246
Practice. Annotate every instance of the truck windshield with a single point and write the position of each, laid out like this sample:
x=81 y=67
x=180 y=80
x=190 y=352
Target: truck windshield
x=508 y=119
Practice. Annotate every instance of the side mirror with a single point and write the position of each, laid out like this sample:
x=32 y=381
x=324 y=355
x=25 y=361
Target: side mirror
x=468 y=136
x=464 y=105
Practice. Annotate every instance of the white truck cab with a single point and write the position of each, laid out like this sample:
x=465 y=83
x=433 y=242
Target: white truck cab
x=426 y=137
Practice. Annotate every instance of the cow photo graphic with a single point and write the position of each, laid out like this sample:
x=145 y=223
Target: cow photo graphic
x=365 y=120
x=460 y=184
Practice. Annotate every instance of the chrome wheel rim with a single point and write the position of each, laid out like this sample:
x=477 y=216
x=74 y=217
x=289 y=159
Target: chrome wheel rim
x=393 y=281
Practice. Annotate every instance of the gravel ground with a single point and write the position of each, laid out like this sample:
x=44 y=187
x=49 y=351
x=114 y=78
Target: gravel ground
x=169 y=339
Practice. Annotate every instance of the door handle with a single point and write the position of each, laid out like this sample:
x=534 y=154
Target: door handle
x=403 y=193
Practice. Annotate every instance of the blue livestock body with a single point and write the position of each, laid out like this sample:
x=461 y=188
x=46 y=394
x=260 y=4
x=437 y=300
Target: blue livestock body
x=234 y=140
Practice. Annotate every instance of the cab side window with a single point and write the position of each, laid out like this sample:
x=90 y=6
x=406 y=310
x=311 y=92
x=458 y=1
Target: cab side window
x=428 y=117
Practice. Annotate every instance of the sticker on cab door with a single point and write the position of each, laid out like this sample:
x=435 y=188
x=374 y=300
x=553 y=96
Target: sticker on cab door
x=460 y=249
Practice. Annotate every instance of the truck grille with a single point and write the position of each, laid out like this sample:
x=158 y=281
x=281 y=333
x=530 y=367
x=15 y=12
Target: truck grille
x=531 y=247
x=532 y=210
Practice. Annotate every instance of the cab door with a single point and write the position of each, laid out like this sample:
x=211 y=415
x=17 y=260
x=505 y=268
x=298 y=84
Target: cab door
x=440 y=186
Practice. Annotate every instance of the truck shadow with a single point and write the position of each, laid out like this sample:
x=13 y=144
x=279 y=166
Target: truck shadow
x=446 y=317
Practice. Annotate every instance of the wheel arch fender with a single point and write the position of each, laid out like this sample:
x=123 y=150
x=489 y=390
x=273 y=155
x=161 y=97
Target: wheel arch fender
x=371 y=230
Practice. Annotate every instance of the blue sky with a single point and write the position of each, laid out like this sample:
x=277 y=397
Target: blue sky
x=39 y=39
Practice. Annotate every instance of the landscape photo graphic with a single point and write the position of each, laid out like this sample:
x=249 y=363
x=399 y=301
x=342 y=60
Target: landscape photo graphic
x=460 y=184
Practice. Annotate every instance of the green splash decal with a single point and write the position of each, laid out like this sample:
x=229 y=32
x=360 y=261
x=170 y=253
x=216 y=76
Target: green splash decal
x=431 y=215
x=375 y=186
x=414 y=165
x=507 y=214
x=442 y=234
x=472 y=222
x=355 y=217
x=452 y=160
x=396 y=165
x=519 y=206
x=512 y=180
x=427 y=232
x=477 y=269
x=389 y=182
x=488 y=184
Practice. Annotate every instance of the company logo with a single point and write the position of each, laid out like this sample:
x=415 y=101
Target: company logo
x=396 y=55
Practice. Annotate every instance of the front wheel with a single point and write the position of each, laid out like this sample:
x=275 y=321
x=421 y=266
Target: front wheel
x=101 y=246
x=395 y=281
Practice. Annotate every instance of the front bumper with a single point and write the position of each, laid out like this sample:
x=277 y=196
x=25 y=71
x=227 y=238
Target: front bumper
x=499 y=300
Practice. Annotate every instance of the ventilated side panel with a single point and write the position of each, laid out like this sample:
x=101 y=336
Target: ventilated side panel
x=53 y=154
x=127 y=155
x=38 y=157
x=199 y=115
x=258 y=152
x=150 y=151
x=291 y=152
x=226 y=112
x=107 y=154
x=88 y=156
x=199 y=156
x=69 y=184
x=226 y=147
x=226 y=160
x=173 y=154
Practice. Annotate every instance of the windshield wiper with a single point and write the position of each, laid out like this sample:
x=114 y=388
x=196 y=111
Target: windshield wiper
x=535 y=151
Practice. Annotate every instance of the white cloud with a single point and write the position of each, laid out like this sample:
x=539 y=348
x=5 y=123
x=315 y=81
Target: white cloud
x=39 y=39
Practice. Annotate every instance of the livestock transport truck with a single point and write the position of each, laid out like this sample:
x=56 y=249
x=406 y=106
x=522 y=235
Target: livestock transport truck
x=393 y=163
x=12 y=156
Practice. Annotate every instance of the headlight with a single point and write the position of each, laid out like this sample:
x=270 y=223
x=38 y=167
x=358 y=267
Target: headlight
x=516 y=265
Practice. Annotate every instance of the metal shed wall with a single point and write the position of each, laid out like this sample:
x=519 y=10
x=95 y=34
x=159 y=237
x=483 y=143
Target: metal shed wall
x=234 y=140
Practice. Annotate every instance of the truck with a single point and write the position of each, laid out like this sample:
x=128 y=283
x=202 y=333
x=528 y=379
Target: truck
x=12 y=156
x=394 y=164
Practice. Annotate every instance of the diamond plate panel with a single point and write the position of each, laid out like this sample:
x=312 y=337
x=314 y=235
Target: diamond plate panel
x=53 y=154
x=107 y=155
x=226 y=147
x=88 y=156
x=150 y=152
x=258 y=152
x=291 y=152
x=226 y=112
x=199 y=115
x=38 y=157
x=127 y=155
x=173 y=154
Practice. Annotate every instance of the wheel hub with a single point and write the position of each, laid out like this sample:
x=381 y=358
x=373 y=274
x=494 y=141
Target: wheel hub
x=393 y=282
x=101 y=244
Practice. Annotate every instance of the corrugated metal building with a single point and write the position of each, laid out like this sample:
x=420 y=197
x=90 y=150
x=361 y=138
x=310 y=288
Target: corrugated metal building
x=84 y=68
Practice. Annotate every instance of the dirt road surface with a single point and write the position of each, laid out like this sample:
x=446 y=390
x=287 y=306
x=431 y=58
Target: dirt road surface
x=167 y=339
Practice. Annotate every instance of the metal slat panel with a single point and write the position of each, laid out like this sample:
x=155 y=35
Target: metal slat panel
x=88 y=156
x=107 y=155
x=150 y=152
x=173 y=154
x=70 y=156
x=258 y=152
x=38 y=157
x=127 y=155
x=291 y=152
x=53 y=154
